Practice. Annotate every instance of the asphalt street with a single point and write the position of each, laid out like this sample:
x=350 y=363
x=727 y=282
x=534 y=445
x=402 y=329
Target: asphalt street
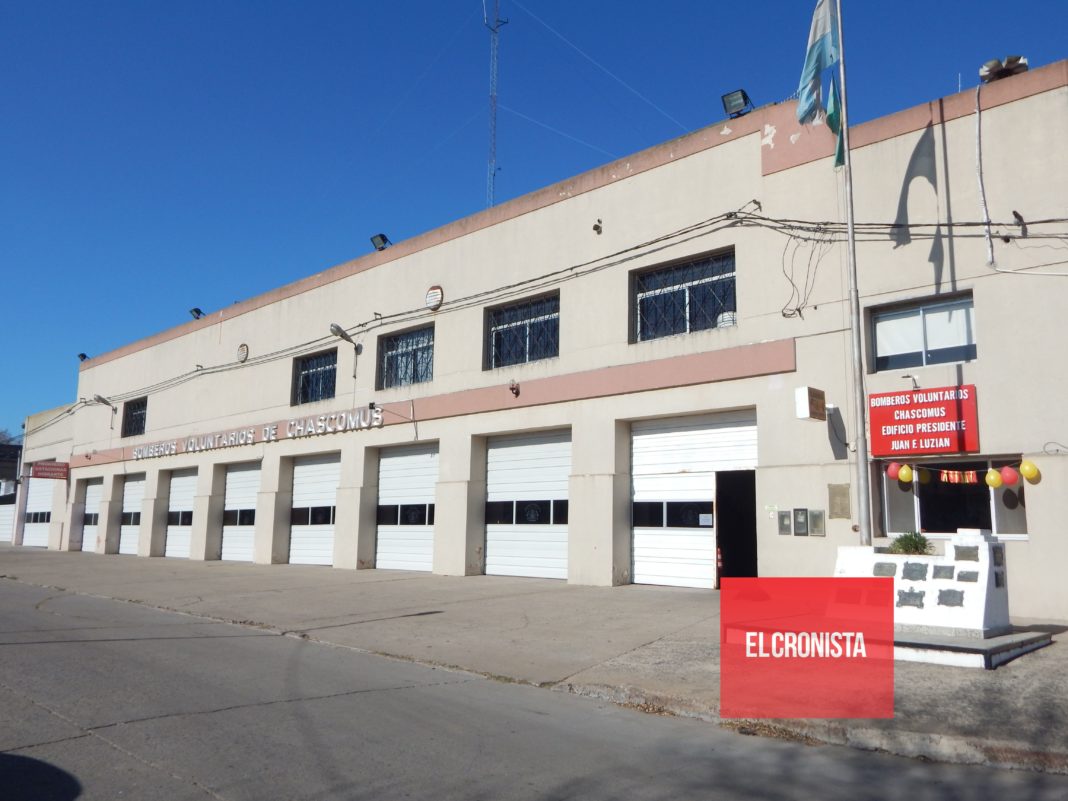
x=101 y=699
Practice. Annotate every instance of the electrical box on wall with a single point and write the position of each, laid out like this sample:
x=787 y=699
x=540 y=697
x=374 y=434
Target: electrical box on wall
x=810 y=403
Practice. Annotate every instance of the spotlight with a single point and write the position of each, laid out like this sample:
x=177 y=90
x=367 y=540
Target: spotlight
x=196 y=312
x=82 y=357
x=737 y=103
x=380 y=241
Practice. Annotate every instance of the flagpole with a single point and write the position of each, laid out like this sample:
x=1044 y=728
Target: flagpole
x=860 y=404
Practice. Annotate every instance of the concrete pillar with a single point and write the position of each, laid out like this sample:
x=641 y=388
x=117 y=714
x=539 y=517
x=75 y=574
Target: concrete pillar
x=205 y=540
x=76 y=516
x=20 y=505
x=460 y=506
x=110 y=514
x=355 y=525
x=273 y=505
x=599 y=535
x=152 y=537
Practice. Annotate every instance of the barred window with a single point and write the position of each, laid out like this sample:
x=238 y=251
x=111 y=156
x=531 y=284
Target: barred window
x=523 y=332
x=682 y=298
x=134 y=415
x=314 y=377
x=406 y=358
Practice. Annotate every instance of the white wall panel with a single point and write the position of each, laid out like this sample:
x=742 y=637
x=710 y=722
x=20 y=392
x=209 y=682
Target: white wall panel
x=407 y=475
x=94 y=495
x=133 y=494
x=315 y=480
x=242 y=490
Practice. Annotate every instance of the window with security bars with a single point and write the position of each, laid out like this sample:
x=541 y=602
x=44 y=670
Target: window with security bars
x=523 y=332
x=314 y=377
x=134 y=415
x=692 y=296
x=406 y=358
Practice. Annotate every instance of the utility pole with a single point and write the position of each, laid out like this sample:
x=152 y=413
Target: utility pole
x=494 y=29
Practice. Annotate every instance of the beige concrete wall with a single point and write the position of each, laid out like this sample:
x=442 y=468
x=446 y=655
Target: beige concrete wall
x=903 y=171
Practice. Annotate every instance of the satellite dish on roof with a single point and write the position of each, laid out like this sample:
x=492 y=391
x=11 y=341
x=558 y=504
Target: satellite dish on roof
x=995 y=70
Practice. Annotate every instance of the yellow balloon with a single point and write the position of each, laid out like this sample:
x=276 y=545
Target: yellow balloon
x=993 y=478
x=904 y=475
x=1028 y=469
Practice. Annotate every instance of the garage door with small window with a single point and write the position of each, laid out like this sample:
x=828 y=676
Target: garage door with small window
x=133 y=493
x=526 y=505
x=7 y=522
x=38 y=512
x=180 y=513
x=94 y=494
x=674 y=466
x=407 y=479
x=311 y=532
x=239 y=511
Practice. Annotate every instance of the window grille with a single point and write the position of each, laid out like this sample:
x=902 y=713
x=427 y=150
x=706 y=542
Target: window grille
x=406 y=358
x=134 y=415
x=314 y=377
x=523 y=332
x=682 y=298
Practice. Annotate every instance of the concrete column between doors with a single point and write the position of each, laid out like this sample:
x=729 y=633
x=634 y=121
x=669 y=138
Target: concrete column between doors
x=205 y=539
x=273 y=506
x=460 y=506
x=355 y=512
x=152 y=537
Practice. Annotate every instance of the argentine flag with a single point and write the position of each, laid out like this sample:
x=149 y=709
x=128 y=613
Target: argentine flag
x=822 y=52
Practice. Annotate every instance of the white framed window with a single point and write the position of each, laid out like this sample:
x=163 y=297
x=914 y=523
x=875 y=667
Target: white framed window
x=523 y=332
x=940 y=332
x=682 y=298
x=406 y=358
x=946 y=496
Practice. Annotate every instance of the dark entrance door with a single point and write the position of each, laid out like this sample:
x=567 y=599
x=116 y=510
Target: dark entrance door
x=736 y=523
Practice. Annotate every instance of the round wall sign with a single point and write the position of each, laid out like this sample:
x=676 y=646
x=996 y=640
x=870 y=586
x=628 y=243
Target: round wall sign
x=434 y=297
x=242 y=352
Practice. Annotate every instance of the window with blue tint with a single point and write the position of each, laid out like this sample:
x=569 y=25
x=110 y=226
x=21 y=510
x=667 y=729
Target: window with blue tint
x=406 y=358
x=938 y=332
x=691 y=296
x=523 y=332
x=314 y=377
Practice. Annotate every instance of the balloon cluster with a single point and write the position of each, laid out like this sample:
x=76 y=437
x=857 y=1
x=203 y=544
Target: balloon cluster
x=1006 y=476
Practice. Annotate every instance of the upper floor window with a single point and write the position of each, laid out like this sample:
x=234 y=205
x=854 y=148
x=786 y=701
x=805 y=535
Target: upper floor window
x=938 y=332
x=691 y=296
x=406 y=358
x=314 y=377
x=134 y=414
x=523 y=332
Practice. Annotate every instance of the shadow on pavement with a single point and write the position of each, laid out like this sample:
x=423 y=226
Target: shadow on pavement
x=26 y=779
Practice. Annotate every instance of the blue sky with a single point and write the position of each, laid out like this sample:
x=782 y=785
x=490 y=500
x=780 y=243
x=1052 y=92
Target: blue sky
x=159 y=156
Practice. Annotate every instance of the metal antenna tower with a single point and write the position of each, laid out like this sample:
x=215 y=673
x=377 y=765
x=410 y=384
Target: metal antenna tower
x=494 y=29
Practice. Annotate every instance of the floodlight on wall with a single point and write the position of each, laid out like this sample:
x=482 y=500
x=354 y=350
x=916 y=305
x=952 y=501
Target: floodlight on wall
x=196 y=312
x=104 y=402
x=380 y=241
x=83 y=357
x=737 y=103
x=341 y=333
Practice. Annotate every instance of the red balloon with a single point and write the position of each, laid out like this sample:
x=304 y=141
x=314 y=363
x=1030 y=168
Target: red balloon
x=892 y=470
x=1009 y=475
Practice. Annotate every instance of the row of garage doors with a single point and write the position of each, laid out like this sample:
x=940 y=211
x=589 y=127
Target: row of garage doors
x=676 y=511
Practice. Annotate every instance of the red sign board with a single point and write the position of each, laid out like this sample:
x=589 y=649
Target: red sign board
x=918 y=422
x=60 y=470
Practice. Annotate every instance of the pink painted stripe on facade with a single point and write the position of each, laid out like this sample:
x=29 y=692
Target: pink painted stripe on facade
x=746 y=361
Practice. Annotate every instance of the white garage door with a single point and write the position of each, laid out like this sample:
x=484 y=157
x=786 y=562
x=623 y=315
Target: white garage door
x=311 y=532
x=94 y=494
x=180 y=513
x=133 y=493
x=239 y=511
x=38 y=512
x=407 y=479
x=7 y=522
x=673 y=467
x=526 y=505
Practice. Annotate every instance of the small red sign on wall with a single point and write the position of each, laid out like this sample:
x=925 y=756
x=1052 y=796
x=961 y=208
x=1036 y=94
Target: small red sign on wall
x=918 y=422
x=807 y=648
x=58 y=470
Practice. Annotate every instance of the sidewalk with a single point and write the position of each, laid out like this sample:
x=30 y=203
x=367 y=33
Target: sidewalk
x=656 y=648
